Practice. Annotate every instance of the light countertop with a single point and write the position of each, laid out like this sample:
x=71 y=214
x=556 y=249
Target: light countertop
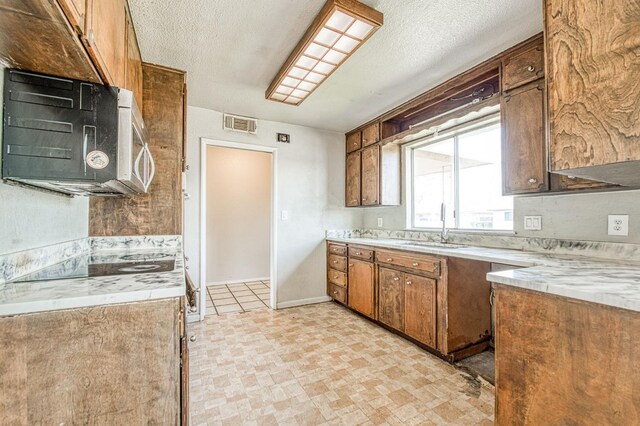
x=603 y=281
x=38 y=296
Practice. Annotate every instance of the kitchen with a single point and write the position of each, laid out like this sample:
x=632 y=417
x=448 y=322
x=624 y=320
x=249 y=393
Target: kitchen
x=449 y=181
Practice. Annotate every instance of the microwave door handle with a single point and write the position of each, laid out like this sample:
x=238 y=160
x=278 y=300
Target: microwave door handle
x=136 y=167
x=153 y=168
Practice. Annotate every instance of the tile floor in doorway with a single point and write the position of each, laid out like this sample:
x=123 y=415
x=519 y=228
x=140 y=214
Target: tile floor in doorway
x=242 y=297
x=323 y=364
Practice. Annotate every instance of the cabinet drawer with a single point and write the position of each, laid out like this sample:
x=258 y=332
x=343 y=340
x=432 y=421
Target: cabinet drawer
x=337 y=277
x=340 y=250
x=361 y=253
x=421 y=263
x=523 y=68
x=337 y=292
x=338 y=262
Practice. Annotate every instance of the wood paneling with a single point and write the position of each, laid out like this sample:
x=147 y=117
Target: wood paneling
x=36 y=36
x=523 y=140
x=115 y=364
x=391 y=298
x=75 y=11
x=420 y=309
x=361 y=287
x=523 y=67
x=468 y=305
x=594 y=91
x=134 y=64
x=354 y=141
x=353 y=184
x=160 y=211
x=105 y=36
x=371 y=176
x=561 y=361
x=371 y=134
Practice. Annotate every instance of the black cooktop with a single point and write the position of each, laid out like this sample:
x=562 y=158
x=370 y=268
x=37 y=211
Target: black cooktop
x=104 y=264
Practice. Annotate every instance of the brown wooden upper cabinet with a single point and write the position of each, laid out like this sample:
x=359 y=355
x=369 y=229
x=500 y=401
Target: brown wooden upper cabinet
x=371 y=134
x=354 y=142
x=594 y=96
x=373 y=171
x=523 y=67
x=105 y=38
x=134 y=63
x=523 y=140
x=75 y=11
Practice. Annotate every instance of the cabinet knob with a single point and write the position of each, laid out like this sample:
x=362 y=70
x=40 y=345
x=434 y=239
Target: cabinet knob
x=396 y=279
x=335 y=261
x=531 y=68
x=389 y=259
x=364 y=198
x=193 y=338
x=336 y=277
x=532 y=180
x=408 y=282
x=354 y=201
x=414 y=264
x=193 y=309
x=335 y=292
x=358 y=253
x=350 y=265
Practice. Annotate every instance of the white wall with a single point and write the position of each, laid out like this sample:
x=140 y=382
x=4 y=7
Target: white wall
x=238 y=215
x=30 y=218
x=310 y=185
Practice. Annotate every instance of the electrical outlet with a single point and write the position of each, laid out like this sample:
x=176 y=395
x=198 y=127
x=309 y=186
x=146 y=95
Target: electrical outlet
x=284 y=215
x=533 y=223
x=619 y=224
x=380 y=222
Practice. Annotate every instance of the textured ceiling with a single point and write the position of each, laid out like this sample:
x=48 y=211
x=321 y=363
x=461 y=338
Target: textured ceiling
x=232 y=49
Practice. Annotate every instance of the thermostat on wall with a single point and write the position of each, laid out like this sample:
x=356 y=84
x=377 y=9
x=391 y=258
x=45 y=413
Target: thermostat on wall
x=284 y=138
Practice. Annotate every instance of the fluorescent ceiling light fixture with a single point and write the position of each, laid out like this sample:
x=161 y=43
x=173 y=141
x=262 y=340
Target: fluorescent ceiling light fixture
x=341 y=27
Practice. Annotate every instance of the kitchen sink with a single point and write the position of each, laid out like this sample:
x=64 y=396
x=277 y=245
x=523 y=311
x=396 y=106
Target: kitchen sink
x=433 y=244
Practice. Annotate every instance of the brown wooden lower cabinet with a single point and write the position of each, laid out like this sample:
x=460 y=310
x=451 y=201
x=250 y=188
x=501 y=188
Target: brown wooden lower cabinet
x=442 y=303
x=112 y=364
x=361 y=287
x=561 y=361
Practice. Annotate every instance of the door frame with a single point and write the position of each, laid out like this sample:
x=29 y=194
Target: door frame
x=204 y=144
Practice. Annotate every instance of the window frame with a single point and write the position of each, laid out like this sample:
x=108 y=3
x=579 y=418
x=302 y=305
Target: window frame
x=451 y=133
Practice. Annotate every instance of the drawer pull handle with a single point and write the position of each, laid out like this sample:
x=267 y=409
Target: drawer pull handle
x=350 y=265
x=414 y=264
x=335 y=292
x=396 y=279
x=531 y=68
x=336 y=277
x=532 y=180
x=389 y=259
x=335 y=261
x=358 y=253
x=408 y=282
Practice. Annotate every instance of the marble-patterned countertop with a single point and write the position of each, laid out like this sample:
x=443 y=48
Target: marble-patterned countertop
x=604 y=281
x=39 y=296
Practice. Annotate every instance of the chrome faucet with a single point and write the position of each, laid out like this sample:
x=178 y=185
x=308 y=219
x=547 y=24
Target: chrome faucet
x=444 y=234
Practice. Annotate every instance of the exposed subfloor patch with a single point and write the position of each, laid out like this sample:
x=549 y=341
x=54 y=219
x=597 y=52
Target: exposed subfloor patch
x=482 y=364
x=323 y=364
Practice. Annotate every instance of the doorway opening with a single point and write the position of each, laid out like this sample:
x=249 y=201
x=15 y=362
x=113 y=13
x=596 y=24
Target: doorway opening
x=238 y=227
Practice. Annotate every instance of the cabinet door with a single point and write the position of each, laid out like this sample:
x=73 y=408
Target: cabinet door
x=353 y=180
x=354 y=141
x=370 y=175
x=361 y=287
x=420 y=309
x=523 y=67
x=594 y=96
x=371 y=135
x=134 y=64
x=105 y=34
x=75 y=12
x=391 y=297
x=524 y=152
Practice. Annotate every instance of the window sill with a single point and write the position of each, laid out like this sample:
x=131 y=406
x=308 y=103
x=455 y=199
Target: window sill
x=465 y=231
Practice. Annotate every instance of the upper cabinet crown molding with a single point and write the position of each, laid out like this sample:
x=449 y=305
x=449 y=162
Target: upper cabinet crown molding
x=594 y=97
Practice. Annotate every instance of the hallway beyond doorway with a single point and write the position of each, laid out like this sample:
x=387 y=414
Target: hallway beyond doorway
x=238 y=298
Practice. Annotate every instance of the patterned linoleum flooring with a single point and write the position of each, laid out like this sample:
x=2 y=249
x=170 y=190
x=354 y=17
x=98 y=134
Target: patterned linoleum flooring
x=322 y=364
x=243 y=297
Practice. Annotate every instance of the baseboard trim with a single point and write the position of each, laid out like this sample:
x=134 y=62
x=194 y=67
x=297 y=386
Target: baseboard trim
x=246 y=280
x=302 y=302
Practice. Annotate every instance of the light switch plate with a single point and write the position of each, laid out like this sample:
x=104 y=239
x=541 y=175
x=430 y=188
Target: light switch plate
x=533 y=223
x=618 y=224
x=380 y=222
x=284 y=214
